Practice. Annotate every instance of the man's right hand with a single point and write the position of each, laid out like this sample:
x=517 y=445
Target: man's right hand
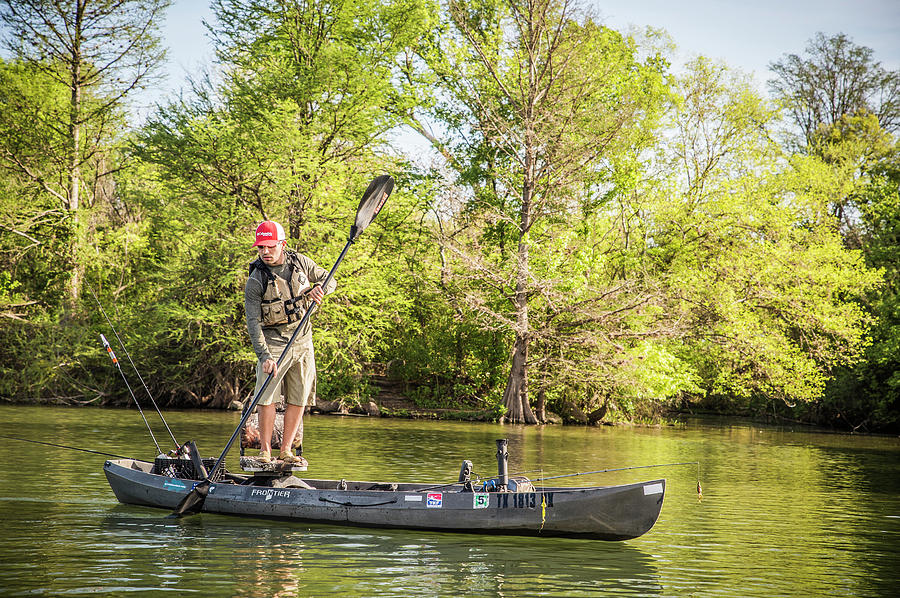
x=270 y=366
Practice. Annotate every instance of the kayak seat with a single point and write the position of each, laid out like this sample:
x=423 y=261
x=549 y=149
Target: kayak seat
x=386 y=487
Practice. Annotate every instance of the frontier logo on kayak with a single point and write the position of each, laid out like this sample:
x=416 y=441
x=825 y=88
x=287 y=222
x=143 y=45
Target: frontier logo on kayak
x=434 y=500
x=270 y=494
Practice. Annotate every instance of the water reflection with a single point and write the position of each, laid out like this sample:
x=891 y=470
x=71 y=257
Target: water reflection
x=284 y=558
x=785 y=513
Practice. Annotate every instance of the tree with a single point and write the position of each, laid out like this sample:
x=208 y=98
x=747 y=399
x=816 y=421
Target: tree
x=836 y=79
x=539 y=100
x=40 y=357
x=321 y=72
x=766 y=286
x=32 y=222
x=848 y=107
x=858 y=152
x=100 y=51
x=292 y=131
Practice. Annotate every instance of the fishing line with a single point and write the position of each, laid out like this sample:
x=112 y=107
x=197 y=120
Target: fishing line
x=72 y=448
x=569 y=475
x=141 y=411
x=128 y=355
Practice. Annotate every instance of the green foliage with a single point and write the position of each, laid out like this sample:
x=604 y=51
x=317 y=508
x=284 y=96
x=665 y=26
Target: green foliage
x=34 y=229
x=867 y=396
x=95 y=53
x=765 y=282
x=839 y=97
x=645 y=237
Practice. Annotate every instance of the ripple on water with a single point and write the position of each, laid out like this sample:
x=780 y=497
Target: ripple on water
x=783 y=514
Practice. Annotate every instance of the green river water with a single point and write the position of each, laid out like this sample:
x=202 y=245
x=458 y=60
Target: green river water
x=784 y=512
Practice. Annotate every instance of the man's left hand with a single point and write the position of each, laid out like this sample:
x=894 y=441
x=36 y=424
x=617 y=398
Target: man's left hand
x=317 y=293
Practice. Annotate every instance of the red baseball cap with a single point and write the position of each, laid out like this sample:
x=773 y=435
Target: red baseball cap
x=269 y=234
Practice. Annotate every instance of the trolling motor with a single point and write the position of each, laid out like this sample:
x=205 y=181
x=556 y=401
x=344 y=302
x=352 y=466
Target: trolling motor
x=465 y=476
x=502 y=465
x=503 y=482
x=465 y=471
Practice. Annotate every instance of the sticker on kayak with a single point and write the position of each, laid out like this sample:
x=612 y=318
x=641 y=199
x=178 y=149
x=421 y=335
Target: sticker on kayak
x=481 y=501
x=269 y=494
x=653 y=489
x=433 y=500
x=413 y=498
x=173 y=485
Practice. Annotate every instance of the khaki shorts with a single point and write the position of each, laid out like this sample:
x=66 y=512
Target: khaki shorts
x=296 y=378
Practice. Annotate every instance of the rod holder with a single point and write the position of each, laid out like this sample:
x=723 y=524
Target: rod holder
x=502 y=463
x=465 y=471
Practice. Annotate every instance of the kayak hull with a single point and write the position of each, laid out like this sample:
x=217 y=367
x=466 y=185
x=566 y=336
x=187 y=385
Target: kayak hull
x=598 y=512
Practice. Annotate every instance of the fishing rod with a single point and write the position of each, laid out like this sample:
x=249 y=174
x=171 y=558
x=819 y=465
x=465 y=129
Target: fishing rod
x=128 y=355
x=141 y=411
x=570 y=475
x=71 y=448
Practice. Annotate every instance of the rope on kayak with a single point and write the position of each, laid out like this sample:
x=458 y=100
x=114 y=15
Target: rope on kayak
x=350 y=504
x=71 y=448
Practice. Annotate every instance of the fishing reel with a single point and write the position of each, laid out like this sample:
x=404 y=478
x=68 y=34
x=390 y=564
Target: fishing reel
x=465 y=476
x=513 y=484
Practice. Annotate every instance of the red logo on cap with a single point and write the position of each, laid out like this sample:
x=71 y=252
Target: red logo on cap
x=269 y=233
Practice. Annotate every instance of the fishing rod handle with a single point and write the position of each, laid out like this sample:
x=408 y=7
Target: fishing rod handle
x=109 y=350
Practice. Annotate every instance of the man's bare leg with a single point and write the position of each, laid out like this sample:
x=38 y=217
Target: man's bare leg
x=266 y=427
x=293 y=423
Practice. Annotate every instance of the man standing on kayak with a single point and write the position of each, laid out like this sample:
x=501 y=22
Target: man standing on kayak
x=281 y=286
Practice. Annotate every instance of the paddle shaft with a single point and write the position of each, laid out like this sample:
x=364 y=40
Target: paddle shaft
x=271 y=375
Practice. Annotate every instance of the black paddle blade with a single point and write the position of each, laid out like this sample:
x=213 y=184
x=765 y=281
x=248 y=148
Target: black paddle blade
x=193 y=502
x=372 y=201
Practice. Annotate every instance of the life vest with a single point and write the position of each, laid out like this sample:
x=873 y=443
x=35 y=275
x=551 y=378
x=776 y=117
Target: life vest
x=283 y=300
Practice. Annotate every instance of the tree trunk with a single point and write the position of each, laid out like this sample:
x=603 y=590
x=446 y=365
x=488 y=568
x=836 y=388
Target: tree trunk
x=515 y=397
x=541 y=411
x=77 y=271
